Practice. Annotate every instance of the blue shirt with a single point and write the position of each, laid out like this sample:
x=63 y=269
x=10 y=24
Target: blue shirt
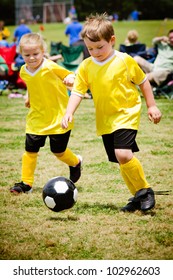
x=73 y=30
x=135 y=15
x=20 y=31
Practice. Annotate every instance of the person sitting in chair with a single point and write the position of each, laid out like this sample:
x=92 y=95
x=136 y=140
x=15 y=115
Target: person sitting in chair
x=132 y=38
x=158 y=71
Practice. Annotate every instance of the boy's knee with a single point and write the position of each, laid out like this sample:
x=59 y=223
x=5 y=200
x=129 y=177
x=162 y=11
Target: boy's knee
x=123 y=156
x=58 y=154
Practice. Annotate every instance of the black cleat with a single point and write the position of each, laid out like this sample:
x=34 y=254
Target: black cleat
x=131 y=206
x=21 y=188
x=146 y=198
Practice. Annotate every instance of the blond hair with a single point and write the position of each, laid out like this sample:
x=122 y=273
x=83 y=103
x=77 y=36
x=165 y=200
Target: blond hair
x=132 y=36
x=97 y=27
x=32 y=39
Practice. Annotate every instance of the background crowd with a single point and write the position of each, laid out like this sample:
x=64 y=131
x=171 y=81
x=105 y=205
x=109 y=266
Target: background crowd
x=156 y=61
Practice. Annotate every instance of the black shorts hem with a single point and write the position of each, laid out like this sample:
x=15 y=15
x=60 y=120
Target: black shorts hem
x=119 y=139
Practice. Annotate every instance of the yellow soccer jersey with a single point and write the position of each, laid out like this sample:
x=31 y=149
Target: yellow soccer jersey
x=113 y=84
x=48 y=98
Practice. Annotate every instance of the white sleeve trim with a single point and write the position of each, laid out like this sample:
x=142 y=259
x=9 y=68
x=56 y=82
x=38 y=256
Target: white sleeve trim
x=143 y=81
x=78 y=94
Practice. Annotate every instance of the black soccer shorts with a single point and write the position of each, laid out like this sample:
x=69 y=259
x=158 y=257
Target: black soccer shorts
x=58 y=142
x=119 y=139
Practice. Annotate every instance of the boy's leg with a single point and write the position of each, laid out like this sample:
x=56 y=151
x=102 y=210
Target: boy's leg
x=131 y=170
x=58 y=144
x=29 y=161
x=134 y=172
x=127 y=181
x=73 y=161
x=143 y=193
x=68 y=157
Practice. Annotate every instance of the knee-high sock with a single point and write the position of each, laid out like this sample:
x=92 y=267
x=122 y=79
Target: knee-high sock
x=134 y=173
x=29 y=161
x=127 y=181
x=68 y=157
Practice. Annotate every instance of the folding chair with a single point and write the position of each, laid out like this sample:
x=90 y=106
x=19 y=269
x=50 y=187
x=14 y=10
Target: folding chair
x=55 y=48
x=9 y=54
x=135 y=49
x=72 y=56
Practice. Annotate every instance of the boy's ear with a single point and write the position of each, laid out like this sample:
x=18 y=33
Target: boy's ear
x=113 y=39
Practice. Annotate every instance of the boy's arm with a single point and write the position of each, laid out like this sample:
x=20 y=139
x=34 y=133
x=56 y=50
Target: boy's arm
x=27 y=102
x=73 y=103
x=154 y=113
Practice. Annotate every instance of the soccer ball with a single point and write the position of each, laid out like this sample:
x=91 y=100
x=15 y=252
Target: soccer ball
x=59 y=193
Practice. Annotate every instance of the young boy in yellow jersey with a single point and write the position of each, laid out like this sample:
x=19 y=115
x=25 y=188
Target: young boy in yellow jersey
x=47 y=100
x=113 y=77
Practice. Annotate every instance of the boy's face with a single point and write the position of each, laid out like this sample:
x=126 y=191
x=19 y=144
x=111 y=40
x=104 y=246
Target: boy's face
x=100 y=50
x=33 y=56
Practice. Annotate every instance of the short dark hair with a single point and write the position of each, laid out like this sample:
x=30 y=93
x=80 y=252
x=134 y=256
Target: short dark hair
x=170 y=31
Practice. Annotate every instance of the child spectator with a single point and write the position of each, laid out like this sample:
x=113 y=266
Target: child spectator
x=4 y=31
x=132 y=38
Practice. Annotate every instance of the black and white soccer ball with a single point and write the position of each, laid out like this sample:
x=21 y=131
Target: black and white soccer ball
x=59 y=193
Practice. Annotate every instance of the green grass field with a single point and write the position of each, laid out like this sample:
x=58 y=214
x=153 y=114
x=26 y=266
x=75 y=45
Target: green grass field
x=94 y=229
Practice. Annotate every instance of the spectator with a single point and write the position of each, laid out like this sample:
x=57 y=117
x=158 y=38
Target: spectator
x=132 y=38
x=4 y=43
x=134 y=15
x=72 y=12
x=132 y=46
x=4 y=32
x=115 y=17
x=73 y=30
x=3 y=67
x=20 y=31
x=158 y=71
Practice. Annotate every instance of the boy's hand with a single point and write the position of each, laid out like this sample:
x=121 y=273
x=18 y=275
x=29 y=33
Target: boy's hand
x=154 y=114
x=27 y=103
x=69 y=80
x=66 y=119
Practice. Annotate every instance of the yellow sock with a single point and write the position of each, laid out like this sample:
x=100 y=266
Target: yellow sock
x=68 y=157
x=127 y=181
x=29 y=161
x=133 y=170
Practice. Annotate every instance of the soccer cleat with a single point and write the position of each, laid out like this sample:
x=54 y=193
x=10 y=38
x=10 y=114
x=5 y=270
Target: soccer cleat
x=75 y=171
x=131 y=206
x=21 y=188
x=146 y=198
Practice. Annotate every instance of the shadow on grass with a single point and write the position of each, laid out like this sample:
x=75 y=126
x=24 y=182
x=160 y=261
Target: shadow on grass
x=87 y=208
x=63 y=219
x=96 y=208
